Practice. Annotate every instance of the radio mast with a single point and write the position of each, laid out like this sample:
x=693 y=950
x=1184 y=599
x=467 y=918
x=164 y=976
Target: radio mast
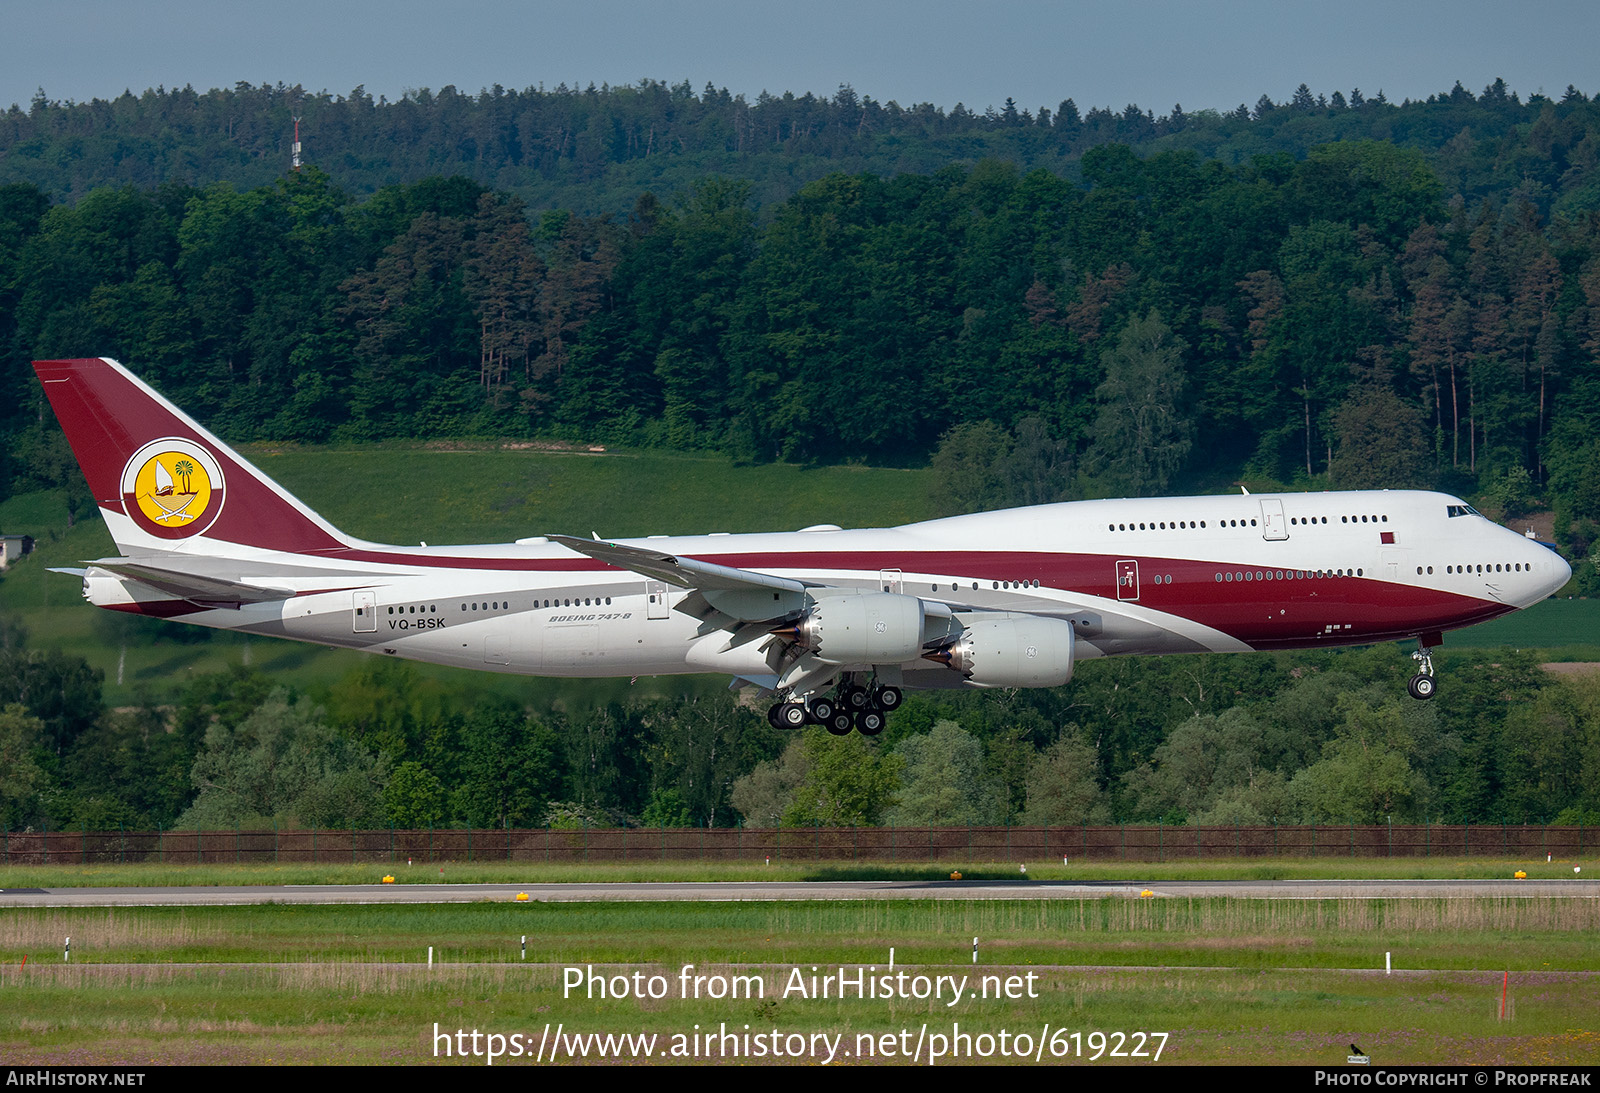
x=294 y=151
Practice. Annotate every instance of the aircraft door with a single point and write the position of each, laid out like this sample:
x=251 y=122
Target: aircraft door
x=1128 y=579
x=890 y=580
x=1273 y=525
x=364 y=613
x=1394 y=565
x=655 y=598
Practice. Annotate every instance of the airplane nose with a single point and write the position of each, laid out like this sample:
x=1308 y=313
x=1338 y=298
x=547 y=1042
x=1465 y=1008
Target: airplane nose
x=1562 y=573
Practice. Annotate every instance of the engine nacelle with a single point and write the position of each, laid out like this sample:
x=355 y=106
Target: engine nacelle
x=1012 y=651
x=863 y=628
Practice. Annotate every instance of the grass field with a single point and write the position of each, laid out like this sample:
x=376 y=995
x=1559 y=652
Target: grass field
x=1570 y=629
x=1227 y=980
x=154 y=875
x=474 y=496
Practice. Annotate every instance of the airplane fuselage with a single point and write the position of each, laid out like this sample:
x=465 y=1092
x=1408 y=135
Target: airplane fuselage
x=996 y=599
x=1162 y=575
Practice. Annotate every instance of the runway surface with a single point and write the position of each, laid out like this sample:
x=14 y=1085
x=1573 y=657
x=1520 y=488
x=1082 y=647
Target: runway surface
x=792 y=890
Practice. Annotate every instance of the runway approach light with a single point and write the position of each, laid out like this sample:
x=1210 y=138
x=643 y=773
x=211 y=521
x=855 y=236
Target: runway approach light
x=522 y=897
x=1520 y=875
x=388 y=879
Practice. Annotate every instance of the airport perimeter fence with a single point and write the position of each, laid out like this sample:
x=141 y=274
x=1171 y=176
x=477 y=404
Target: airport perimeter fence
x=1104 y=842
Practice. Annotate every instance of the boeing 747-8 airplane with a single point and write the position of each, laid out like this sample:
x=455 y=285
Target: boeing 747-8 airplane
x=834 y=623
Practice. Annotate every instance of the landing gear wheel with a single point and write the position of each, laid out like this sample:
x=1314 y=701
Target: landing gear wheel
x=1421 y=687
x=870 y=721
x=840 y=723
x=854 y=698
x=791 y=715
x=889 y=698
x=772 y=715
x=822 y=710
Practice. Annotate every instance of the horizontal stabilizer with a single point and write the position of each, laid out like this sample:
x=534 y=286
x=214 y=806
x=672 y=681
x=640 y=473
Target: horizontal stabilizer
x=201 y=590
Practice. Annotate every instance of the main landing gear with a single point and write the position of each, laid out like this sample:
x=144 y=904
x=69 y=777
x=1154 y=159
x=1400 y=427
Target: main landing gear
x=862 y=709
x=1422 y=684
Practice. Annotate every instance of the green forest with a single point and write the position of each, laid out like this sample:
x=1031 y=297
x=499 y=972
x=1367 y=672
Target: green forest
x=1334 y=291
x=1326 y=737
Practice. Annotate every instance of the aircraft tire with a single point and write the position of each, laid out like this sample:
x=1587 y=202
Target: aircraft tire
x=840 y=723
x=854 y=698
x=1422 y=687
x=792 y=715
x=822 y=710
x=889 y=698
x=772 y=715
x=870 y=721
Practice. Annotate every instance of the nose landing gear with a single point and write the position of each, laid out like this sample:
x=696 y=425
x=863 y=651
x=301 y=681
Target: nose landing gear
x=1422 y=684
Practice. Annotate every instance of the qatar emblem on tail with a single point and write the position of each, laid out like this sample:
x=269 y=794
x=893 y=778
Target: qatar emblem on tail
x=834 y=624
x=172 y=488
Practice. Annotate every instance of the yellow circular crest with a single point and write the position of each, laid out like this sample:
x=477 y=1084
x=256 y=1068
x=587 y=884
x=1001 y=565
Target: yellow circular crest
x=172 y=488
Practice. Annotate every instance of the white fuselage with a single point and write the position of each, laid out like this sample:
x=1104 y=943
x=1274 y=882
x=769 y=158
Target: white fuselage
x=1163 y=575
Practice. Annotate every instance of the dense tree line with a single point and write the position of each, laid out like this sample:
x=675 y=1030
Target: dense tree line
x=1326 y=737
x=594 y=149
x=1172 y=323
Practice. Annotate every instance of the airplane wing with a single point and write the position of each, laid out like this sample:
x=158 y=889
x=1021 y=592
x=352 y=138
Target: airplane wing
x=683 y=572
x=206 y=591
x=741 y=595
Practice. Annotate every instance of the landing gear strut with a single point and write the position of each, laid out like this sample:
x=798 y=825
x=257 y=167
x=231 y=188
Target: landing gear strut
x=1422 y=684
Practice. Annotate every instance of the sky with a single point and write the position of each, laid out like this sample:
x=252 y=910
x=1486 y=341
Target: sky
x=1155 y=53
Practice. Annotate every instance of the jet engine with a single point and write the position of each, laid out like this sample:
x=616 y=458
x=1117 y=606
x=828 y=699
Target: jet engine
x=1011 y=651
x=865 y=628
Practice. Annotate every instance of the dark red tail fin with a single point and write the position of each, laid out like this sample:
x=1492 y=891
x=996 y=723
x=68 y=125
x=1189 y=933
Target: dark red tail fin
x=159 y=478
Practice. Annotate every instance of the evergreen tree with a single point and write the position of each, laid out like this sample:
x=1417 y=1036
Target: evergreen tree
x=1142 y=436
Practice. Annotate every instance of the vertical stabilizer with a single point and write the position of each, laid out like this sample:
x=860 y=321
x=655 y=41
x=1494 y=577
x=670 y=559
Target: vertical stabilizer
x=163 y=482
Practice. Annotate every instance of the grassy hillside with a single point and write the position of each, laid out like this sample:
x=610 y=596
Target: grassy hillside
x=491 y=495
x=1570 y=629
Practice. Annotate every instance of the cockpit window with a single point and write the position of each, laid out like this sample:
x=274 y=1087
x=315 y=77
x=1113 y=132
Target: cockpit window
x=1462 y=510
